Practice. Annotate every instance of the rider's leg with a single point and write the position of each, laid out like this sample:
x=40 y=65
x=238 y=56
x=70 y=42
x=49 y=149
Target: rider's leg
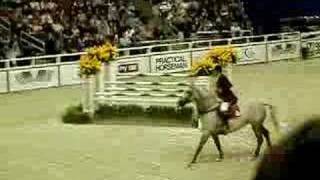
x=225 y=111
x=235 y=108
x=224 y=119
x=226 y=122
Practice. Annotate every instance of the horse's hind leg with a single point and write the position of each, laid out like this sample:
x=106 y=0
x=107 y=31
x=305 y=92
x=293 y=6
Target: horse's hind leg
x=218 y=145
x=258 y=132
x=203 y=140
x=266 y=135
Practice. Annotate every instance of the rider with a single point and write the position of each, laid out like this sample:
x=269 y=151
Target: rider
x=229 y=99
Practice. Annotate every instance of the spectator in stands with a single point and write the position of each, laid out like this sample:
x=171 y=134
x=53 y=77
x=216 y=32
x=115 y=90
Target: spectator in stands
x=14 y=49
x=79 y=21
x=235 y=29
x=125 y=40
x=294 y=156
x=51 y=44
x=3 y=50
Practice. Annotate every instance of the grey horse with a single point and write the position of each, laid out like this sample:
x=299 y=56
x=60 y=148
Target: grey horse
x=207 y=105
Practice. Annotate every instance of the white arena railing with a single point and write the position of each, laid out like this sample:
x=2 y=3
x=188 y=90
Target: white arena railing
x=62 y=69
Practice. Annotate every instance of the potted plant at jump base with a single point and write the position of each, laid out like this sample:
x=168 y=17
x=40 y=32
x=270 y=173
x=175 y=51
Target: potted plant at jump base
x=91 y=64
x=89 y=67
x=97 y=62
x=82 y=114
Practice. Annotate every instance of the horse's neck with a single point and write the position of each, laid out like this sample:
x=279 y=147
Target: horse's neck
x=197 y=93
x=204 y=99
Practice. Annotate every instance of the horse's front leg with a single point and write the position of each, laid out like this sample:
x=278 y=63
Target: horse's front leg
x=204 y=138
x=218 y=145
x=195 y=117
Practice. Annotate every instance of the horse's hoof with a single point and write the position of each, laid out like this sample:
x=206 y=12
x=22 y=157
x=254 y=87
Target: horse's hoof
x=219 y=159
x=189 y=166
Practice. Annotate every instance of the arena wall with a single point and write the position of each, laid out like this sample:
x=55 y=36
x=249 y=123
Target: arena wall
x=176 y=57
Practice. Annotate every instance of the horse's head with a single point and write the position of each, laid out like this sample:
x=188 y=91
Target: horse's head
x=185 y=99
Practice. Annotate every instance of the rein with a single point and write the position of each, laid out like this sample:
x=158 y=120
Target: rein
x=214 y=108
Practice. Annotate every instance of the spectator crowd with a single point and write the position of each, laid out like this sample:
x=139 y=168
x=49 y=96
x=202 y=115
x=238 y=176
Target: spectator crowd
x=70 y=26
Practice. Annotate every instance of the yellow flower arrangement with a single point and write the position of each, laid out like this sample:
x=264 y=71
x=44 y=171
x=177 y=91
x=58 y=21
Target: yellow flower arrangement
x=89 y=66
x=104 y=53
x=203 y=67
x=221 y=55
x=91 y=62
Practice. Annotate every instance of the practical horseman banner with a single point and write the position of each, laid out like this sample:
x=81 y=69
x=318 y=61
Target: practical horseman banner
x=3 y=82
x=170 y=63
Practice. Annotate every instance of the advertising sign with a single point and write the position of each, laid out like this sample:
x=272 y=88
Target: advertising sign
x=170 y=63
x=313 y=48
x=3 y=82
x=33 y=78
x=251 y=53
x=283 y=50
x=69 y=74
x=128 y=68
x=133 y=65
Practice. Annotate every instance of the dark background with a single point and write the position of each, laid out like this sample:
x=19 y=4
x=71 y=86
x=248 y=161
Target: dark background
x=266 y=14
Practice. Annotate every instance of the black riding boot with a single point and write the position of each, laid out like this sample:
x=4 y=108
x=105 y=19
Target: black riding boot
x=225 y=120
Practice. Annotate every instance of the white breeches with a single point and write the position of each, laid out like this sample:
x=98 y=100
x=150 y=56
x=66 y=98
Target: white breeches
x=224 y=106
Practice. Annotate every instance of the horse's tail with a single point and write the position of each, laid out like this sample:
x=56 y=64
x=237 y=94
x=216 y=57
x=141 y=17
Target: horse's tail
x=273 y=116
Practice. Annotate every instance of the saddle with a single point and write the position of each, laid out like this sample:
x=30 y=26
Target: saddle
x=233 y=111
